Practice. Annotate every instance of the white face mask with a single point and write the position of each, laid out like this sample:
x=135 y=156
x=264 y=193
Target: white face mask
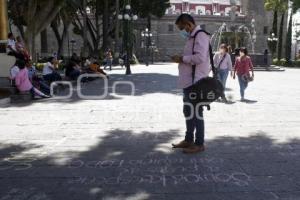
x=184 y=34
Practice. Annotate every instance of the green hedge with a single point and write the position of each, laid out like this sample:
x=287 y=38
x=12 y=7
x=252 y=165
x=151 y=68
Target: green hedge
x=284 y=63
x=40 y=66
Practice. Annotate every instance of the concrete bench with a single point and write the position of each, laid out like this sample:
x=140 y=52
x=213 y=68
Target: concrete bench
x=4 y=97
x=21 y=97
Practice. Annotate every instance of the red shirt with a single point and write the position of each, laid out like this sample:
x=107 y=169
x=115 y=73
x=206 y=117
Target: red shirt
x=243 y=65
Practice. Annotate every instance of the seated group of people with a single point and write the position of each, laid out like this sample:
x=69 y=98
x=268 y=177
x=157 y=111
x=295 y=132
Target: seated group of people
x=90 y=66
x=23 y=74
x=17 y=48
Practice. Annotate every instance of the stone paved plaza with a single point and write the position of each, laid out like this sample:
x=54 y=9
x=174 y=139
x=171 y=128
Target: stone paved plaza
x=118 y=148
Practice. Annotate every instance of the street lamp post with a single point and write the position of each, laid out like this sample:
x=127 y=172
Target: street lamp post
x=272 y=43
x=254 y=36
x=147 y=35
x=153 y=48
x=73 y=42
x=127 y=16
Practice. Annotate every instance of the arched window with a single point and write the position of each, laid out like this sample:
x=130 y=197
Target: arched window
x=227 y=11
x=208 y=12
x=200 y=10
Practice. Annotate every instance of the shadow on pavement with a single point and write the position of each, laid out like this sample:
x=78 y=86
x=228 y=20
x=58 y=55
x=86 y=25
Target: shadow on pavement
x=248 y=101
x=137 y=84
x=127 y=165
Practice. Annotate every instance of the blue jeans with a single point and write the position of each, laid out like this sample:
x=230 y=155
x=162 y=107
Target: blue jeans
x=74 y=74
x=223 y=75
x=54 y=76
x=243 y=85
x=194 y=120
x=108 y=63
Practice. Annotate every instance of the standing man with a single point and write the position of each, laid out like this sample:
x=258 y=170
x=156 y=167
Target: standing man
x=196 y=52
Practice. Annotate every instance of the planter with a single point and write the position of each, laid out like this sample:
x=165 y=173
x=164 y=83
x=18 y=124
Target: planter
x=4 y=97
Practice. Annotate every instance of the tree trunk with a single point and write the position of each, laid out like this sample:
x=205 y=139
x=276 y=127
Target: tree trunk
x=274 y=28
x=117 y=38
x=63 y=38
x=21 y=30
x=105 y=25
x=149 y=22
x=60 y=38
x=289 y=40
x=30 y=40
x=45 y=12
x=44 y=43
x=97 y=32
x=280 y=37
x=84 y=53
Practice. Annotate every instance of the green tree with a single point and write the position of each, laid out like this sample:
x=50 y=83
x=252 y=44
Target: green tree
x=64 y=18
x=295 y=7
x=280 y=36
x=101 y=17
x=148 y=9
x=272 y=5
x=278 y=7
x=36 y=15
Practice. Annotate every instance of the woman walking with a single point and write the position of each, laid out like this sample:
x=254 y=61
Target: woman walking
x=243 y=66
x=222 y=60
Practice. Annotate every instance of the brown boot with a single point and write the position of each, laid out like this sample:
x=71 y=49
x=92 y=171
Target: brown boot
x=194 y=149
x=182 y=144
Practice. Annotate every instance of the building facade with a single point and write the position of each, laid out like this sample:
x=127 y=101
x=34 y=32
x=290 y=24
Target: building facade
x=203 y=7
x=210 y=15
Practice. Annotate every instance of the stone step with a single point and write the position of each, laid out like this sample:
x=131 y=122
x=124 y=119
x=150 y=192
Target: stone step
x=4 y=82
x=21 y=98
x=5 y=101
x=12 y=90
x=270 y=68
x=4 y=97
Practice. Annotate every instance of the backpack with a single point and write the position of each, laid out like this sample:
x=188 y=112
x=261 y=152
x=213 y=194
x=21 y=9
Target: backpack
x=206 y=90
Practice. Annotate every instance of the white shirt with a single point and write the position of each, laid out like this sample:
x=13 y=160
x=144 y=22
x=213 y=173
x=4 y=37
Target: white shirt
x=48 y=68
x=12 y=44
x=14 y=71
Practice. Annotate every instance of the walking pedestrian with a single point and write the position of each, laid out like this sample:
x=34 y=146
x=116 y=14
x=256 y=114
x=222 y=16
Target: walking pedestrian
x=243 y=66
x=108 y=59
x=222 y=60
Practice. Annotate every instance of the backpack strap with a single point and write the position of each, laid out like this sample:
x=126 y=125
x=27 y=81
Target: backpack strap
x=220 y=63
x=211 y=56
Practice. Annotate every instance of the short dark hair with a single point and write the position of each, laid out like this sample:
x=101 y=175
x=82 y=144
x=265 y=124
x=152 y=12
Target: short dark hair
x=10 y=35
x=183 y=18
x=244 y=50
x=51 y=59
x=21 y=64
x=224 y=46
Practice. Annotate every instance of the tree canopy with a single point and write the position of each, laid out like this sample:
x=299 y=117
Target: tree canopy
x=36 y=15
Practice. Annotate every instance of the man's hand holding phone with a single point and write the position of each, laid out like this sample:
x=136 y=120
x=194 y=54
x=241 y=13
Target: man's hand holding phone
x=177 y=58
